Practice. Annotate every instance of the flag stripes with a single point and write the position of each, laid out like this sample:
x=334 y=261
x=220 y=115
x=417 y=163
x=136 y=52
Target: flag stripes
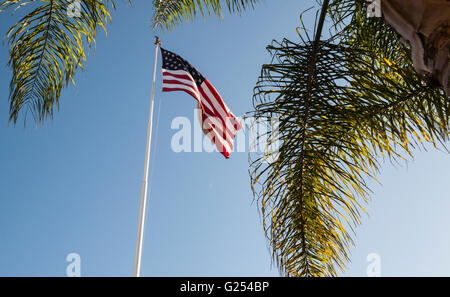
x=218 y=122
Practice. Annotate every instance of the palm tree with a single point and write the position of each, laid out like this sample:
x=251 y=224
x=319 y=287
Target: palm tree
x=371 y=90
x=47 y=46
x=342 y=103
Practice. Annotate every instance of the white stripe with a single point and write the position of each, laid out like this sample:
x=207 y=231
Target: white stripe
x=205 y=89
x=184 y=81
x=220 y=140
x=218 y=131
x=216 y=105
x=213 y=100
x=177 y=72
x=218 y=127
x=228 y=125
x=175 y=86
x=226 y=120
x=224 y=104
x=183 y=72
x=204 y=102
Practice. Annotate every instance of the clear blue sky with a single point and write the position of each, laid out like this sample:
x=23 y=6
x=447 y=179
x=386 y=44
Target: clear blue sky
x=74 y=184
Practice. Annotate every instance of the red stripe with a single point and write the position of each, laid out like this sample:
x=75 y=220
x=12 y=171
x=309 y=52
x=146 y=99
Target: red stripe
x=206 y=110
x=221 y=103
x=216 y=95
x=183 y=90
x=224 y=121
x=181 y=76
x=218 y=140
x=176 y=82
x=223 y=135
x=220 y=147
x=214 y=111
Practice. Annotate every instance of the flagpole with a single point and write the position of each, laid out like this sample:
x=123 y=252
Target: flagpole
x=143 y=206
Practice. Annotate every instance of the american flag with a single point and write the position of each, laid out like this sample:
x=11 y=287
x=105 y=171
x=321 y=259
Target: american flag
x=217 y=121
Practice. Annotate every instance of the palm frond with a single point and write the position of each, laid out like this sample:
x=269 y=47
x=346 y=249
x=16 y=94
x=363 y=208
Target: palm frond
x=312 y=194
x=362 y=101
x=169 y=13
x=47 y=46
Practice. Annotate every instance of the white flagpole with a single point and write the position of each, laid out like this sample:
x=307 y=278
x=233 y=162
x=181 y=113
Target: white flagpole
x=140 y=234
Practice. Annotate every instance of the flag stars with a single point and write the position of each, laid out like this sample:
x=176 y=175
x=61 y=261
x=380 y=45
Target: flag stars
x=172 y=61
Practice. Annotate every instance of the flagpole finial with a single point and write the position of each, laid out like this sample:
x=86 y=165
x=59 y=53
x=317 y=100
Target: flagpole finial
x=157 y=41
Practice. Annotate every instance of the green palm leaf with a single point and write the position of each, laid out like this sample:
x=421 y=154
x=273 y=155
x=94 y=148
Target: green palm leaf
x=311 y=195
x=343 y=104
x=46 y=48
x=169 y=13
